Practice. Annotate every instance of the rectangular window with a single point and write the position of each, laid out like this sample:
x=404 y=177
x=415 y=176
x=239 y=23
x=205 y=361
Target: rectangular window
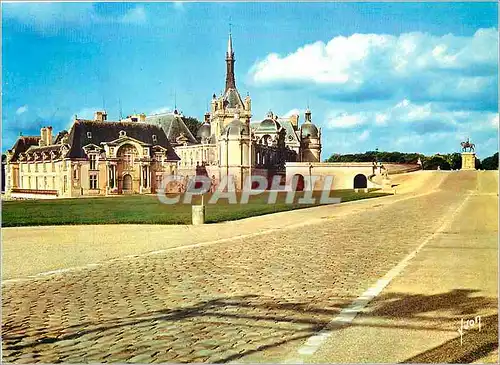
x=36 y=166
x=93 y=182
x=29 y=167
x=65 y=183
x=93 y=162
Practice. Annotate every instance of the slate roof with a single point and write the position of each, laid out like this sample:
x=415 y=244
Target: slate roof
x=110 y=131
x=291 y=135
x=173 y=125
x=48 y=149
x=233 y=99
x=22 y=144
x=59 y=136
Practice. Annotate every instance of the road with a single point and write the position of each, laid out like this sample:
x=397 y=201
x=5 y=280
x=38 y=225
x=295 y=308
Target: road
x=262 y=296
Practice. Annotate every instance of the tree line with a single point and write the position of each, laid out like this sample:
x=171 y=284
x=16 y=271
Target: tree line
x=450 y=161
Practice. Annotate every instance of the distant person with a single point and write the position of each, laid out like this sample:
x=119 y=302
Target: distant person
x=212 y=184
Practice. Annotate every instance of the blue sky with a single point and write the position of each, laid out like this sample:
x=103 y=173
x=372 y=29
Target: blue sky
x=413 y=77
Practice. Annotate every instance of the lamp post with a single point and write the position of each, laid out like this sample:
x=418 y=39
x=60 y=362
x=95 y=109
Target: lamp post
x=310 y=176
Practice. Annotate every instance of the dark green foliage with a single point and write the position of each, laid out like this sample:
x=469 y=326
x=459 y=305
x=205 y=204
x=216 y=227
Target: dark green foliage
x=436 y=161
x=370 y=156
x=445 y=162
x=490 y=163
x=147 y=209
x=455 y=160
x=193 y=124
x=478 y=164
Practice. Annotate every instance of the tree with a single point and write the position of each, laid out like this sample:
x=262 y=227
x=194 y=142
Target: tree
x=490 y=163
x=370 y=156
x=478 y=164
x=434 y=162
x=455 y=160
x=193 y=124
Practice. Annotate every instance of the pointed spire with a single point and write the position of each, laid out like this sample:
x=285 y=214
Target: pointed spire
x=230 y=53
x=230 y=81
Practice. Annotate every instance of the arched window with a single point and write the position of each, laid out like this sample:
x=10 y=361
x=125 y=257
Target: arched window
x=127 y=153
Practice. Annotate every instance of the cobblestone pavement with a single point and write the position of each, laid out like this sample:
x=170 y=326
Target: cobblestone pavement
x=217 y=303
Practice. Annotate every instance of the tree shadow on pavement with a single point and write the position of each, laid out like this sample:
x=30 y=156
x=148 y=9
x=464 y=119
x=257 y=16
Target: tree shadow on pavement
x=256 y=323
x=458 y=301
x=475 y=345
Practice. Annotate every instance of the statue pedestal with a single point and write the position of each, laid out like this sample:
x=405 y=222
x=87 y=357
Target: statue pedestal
x=468 y=160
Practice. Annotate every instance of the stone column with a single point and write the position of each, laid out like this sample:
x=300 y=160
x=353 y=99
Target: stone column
x=113 y=176
x=141 y=169
x=108 y=176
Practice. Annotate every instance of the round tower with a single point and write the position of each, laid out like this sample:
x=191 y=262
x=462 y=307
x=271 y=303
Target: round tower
x=310 y=140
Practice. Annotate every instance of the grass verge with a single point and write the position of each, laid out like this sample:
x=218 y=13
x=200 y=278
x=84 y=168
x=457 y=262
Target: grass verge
x=141 y=209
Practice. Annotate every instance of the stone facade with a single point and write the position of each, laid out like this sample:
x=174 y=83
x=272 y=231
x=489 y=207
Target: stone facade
x=229 y=144
x=468 y=160
x=95 y=157
x=132 y=156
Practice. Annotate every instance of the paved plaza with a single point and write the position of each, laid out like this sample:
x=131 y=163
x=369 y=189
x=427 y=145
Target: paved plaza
x=249 y=292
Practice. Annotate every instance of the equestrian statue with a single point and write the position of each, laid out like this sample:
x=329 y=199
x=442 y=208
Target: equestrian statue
x=467 y=144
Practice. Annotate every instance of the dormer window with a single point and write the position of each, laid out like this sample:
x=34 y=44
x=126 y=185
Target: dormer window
x=155 y=139
x=123 y=133
x=89 y=135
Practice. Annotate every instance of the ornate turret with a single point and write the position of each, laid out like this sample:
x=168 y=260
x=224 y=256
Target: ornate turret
x=224 y=108
x=308 y=129
x=204 y=131
x=310 y=140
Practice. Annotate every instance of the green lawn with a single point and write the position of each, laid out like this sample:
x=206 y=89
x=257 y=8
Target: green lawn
x=146 y=209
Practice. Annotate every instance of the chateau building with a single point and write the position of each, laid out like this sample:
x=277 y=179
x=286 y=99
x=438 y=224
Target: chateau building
x=131 y=156
x=95 y=157
x=230 y=144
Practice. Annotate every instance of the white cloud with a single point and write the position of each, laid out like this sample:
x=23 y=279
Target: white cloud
x=381 y=119
x=364 y=136
x=294 y=111
x=424 y=119
x=494 y=121
x=84 y=113
x=417 y=65
x=345 y=120
x=22 y=109
x=162 y=110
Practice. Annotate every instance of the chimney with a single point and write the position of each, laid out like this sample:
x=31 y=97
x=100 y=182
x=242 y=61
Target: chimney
x=100 y=116
x=48 y=136
x=43 y=137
